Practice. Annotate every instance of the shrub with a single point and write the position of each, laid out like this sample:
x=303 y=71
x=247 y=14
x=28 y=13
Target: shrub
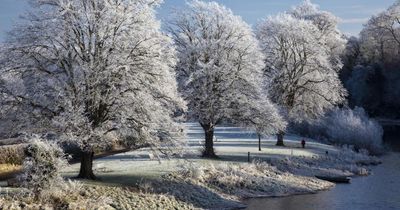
x=354 y=127
x=345 y=127
x=42 y=165
x=12 y=154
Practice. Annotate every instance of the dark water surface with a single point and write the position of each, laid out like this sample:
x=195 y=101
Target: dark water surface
x=379 y=191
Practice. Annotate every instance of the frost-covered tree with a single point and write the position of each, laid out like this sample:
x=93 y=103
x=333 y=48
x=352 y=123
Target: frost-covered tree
x=220 y=70
x=350 y=57
x=327 y=24
x=300 y=75
x=372 y=64
x=93 y=68
x=381 y=36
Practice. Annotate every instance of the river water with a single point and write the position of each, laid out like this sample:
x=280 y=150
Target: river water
x=379 y=191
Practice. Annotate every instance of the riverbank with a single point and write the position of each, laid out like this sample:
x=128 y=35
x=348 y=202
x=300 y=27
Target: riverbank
x=380 y=190
x=223 y=183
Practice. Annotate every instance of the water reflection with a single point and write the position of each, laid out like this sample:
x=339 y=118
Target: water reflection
x=380 y=191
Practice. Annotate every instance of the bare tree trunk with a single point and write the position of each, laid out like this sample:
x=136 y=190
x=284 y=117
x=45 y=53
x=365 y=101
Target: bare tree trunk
x=209 y=143
x=259 y=142
x=280 y=139
x=86 y=171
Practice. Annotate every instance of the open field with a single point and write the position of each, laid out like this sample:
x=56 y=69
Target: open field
x=232 y=146
x=194 y=182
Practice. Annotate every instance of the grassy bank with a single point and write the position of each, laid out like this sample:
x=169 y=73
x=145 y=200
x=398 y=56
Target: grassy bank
x=193 y=182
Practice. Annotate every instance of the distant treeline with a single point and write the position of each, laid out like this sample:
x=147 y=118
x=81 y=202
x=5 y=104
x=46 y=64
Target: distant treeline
x=371 y=71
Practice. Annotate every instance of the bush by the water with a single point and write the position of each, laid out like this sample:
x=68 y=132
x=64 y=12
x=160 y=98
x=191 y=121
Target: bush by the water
x=354 y=127
x=346 y=127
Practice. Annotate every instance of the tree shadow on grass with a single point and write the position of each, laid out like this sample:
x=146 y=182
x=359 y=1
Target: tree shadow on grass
x=196 y=195
x=236 y=158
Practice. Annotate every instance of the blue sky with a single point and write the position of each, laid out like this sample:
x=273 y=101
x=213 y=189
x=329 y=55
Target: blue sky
x=353 y=13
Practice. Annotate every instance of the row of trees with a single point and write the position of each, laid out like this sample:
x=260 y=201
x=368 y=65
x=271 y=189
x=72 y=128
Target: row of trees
x=92 y=70
x=371 y=71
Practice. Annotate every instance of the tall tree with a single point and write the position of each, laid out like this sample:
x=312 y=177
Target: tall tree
x=220 y=70
x=350 y=57
x=379 y=60
x=299 y=71
x=380 y=38
x=327 y=24
x=93 y=68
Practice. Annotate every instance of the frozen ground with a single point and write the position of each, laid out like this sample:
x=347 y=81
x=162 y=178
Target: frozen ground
x=232 y=146
x=193 y=182
x=204 y=183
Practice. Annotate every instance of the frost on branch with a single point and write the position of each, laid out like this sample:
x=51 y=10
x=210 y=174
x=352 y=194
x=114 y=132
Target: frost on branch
x=300 y=76
x=42 y=165
x=327 y=24
x=95 y=68
x=345 y=127
x=220 y=69
x=354 y=127
x=380 y=38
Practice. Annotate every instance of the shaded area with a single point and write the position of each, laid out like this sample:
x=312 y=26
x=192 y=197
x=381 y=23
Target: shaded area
x=391 y=137
x=196 y=195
